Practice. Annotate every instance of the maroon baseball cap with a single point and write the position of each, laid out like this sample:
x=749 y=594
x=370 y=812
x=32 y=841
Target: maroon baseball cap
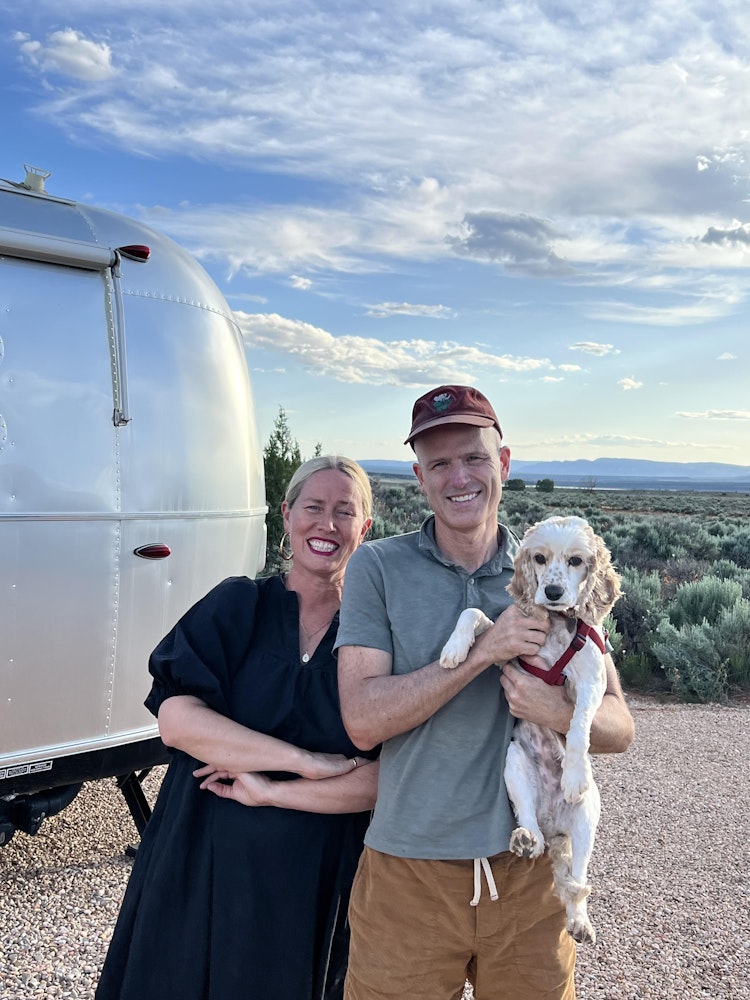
x=451 y=404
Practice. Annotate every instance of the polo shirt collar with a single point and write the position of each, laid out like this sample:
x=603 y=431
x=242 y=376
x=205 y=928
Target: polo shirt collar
x=503 y=559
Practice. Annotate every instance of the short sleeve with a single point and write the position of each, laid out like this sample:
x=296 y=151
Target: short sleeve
x=363 y=618
x=201 y=654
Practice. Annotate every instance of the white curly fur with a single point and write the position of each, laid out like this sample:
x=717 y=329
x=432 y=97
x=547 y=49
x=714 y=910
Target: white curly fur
x=562 y=567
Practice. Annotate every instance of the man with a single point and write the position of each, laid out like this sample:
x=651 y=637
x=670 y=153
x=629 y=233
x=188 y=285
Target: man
x=438 y=898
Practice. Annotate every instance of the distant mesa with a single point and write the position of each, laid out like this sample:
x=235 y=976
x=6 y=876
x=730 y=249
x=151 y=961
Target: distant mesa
x=608 y=473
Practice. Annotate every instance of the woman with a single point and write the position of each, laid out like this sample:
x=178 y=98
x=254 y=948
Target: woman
x=241 y=882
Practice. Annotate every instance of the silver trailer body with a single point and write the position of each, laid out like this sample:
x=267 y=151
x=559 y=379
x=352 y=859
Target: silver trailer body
x=126 y=420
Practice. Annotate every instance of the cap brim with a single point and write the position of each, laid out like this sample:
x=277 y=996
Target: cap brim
x=455 y=418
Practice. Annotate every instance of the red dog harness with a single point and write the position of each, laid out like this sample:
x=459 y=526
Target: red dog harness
x=555 y=673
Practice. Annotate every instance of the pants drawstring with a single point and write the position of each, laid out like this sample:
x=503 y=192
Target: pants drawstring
x=483 y=865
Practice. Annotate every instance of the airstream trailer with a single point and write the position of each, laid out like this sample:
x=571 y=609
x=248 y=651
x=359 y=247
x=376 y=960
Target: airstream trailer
x=131 y=482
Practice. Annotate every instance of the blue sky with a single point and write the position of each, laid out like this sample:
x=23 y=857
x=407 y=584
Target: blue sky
x=548 y=200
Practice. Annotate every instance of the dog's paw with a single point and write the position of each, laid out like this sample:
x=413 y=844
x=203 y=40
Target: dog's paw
x=471 y=623
x=575 y=781
x=581 y=931
x=456 y=648
x=526 y=844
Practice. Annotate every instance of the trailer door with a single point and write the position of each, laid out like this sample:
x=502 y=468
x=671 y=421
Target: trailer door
x=59 y=498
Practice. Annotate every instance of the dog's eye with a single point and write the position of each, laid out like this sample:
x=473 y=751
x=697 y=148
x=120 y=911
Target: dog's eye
x=575 y=561
x=539 y=559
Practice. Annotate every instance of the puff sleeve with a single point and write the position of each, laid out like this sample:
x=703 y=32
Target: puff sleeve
x=202 y=653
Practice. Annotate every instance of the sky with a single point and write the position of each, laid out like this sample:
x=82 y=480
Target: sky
x=547 y=199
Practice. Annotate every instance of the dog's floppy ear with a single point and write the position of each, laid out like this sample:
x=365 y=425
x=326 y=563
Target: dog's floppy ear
x=522 y=588
x=602 y=585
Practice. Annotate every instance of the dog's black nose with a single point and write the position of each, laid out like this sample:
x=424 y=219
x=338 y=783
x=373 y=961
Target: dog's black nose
x=553 y=592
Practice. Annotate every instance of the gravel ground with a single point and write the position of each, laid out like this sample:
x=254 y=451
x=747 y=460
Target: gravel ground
x=671 y=889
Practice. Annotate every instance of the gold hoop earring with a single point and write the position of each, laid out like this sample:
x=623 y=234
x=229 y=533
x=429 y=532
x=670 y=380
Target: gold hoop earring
x=285 y=547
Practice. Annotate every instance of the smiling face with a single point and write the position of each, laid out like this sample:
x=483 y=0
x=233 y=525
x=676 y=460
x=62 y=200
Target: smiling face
x=461 y=470
x=326 y=523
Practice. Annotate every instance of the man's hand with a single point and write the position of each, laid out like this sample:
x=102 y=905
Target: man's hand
x=534 y=700
x=512 y=635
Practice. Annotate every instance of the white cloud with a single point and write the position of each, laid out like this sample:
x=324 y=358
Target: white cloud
x=303 y=284
x=427 y=130
x=373 y=235
x=69 y=53
x=739 y=233
x=715 y=414
x=247 y=297
x=385 y=309
x=591 y=347
x=375 y=362
x=657 y=315
x=626 y=384
x=454 y=97
x=726 y=356
x=519 y=242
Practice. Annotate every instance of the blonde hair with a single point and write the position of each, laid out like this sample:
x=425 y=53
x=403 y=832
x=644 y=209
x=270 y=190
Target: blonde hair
x=339 y=462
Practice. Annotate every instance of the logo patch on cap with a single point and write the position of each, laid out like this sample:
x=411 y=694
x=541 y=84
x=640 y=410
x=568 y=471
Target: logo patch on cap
x=442 y=402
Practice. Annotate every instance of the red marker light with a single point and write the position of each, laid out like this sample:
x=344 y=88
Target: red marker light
x=154 y=550
x=135 y=252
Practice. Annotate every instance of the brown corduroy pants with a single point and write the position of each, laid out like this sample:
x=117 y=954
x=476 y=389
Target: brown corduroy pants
x=415 y=935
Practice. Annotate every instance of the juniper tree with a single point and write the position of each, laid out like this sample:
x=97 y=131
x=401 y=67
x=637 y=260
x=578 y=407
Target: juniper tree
x=281 y=456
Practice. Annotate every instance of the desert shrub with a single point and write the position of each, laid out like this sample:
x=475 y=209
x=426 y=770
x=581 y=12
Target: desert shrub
x=657 y=539
x=725 y=569
x=736 y=546
x=719 y=528
x=734 y=631
x=641 y=671
x=702 y=600
x=703 y=660
x=650 y=542
x=397 y=509
x=524 y=512
x=677 y=572
x=637 y=543
x=617 y=537
x=615 y=639
x=639 y=610
x=382 y=527
x=694 y=666
x=700 y=543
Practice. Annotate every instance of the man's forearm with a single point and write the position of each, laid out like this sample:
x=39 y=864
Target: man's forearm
x=348 y=793
x=612 y=730
x=380 y=706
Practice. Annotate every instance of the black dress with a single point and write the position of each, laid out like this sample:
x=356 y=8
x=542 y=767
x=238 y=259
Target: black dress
x=225 y=901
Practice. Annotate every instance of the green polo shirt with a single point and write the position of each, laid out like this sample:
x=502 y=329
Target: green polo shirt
x=441 y=793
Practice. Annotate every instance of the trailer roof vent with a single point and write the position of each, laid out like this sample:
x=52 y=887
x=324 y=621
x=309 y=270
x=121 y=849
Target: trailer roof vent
x=35 y=178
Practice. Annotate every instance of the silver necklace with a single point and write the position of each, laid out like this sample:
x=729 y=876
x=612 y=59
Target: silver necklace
x=311 y=635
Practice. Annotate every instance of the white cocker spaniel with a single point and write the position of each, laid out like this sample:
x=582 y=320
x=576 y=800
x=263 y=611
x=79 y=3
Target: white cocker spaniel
x=562 y=570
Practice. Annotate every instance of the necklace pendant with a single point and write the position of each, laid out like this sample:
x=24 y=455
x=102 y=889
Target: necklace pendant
x=305 y=657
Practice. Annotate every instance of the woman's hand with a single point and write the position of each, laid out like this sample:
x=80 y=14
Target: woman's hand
x=248 y=788
x=309 y=765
